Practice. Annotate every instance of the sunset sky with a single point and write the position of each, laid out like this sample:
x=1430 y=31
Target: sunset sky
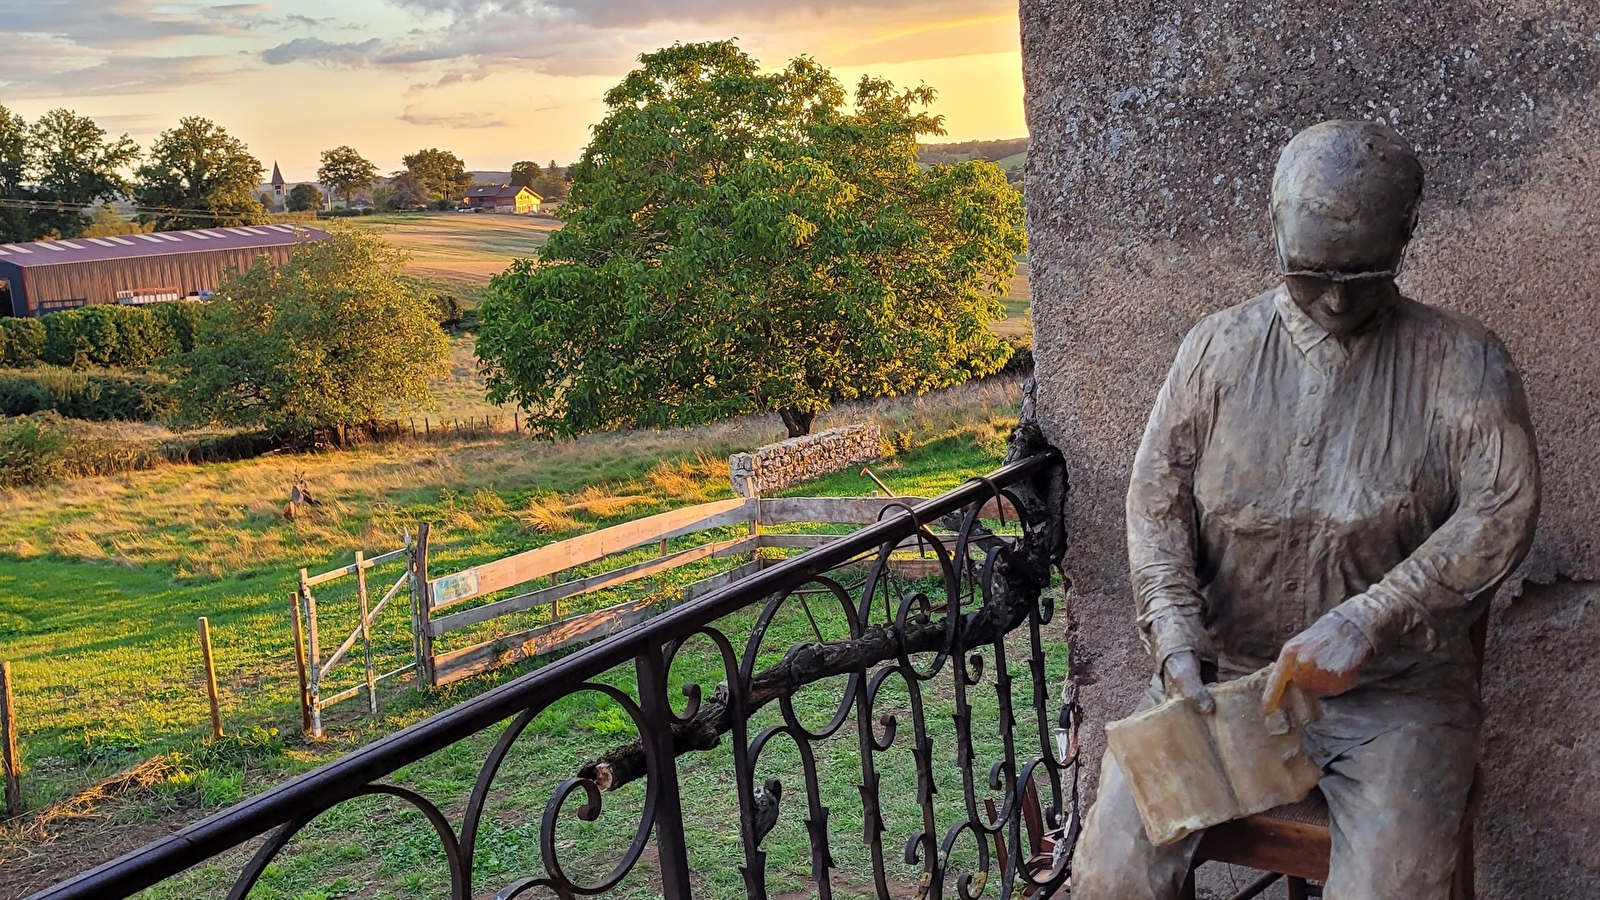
x=493 y=80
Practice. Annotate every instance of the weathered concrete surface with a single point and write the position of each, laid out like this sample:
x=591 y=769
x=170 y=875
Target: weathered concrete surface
x=1155 y=129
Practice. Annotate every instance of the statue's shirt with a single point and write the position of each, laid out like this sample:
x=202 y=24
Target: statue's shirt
x=1389 y=477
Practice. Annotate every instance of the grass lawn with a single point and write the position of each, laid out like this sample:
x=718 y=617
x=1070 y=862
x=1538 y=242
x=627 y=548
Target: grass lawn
x=102 y=579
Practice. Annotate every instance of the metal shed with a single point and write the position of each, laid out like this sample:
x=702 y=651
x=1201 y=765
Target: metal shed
x=45 y=276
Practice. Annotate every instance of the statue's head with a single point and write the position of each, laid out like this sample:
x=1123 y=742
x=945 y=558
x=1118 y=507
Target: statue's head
x=1344 y=204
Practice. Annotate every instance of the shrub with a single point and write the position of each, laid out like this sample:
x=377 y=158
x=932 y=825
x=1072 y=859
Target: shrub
x=180 y=319
x=113 y=335
x=21 y=340
x=33 y=450
x=1021 y=361
x=96 y=396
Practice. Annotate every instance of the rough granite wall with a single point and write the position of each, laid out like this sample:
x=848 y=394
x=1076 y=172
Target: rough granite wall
x=1155 y=129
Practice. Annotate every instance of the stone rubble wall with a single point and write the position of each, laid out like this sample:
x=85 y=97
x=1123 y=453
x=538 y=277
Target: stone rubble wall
x=779 y=465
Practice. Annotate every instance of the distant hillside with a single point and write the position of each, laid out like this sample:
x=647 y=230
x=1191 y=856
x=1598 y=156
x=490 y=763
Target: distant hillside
x=1009 y=155
x=993 y=151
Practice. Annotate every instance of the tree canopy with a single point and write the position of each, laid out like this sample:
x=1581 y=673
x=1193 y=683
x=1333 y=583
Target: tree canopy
x=53 y=170
x=441 y=173
x=199 y=176
x=304 y=196
x=346 y=172
x=331 y=338
x=523 y=173
x=744 y=242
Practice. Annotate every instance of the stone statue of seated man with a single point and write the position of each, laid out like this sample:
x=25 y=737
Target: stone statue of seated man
x=1333 y=482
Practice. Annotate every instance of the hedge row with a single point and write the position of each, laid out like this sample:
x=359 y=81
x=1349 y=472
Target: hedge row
x=46 y=447
x=98 y=396
x=108 y=335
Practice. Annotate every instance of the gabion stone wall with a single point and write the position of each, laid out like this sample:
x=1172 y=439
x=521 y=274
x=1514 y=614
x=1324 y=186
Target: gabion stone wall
x=1156 y=126
x=779 y=465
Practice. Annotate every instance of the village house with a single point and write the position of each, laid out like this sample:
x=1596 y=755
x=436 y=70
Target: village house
x=503 y=198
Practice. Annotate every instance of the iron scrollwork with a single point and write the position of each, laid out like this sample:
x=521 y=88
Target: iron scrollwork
x=902 y=636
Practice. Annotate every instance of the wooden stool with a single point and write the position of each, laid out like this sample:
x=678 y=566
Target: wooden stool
x=1293 y=842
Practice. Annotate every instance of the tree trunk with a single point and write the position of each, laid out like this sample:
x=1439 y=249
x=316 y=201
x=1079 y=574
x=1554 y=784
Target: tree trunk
x=798 y=423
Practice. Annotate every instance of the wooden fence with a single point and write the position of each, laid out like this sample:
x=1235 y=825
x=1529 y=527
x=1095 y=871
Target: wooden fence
x=314 y=670
x=443 y=604
x=528 y=569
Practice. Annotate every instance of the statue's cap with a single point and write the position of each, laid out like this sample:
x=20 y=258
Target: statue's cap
x=1344 y=197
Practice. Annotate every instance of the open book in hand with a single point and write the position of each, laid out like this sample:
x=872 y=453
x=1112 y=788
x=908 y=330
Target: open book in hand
x=1188 y=771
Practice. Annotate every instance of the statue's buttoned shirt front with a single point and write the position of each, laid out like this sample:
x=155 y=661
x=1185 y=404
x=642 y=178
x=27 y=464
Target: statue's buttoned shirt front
x=1389 y=477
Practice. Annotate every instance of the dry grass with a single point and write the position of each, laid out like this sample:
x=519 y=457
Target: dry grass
x=223 y=520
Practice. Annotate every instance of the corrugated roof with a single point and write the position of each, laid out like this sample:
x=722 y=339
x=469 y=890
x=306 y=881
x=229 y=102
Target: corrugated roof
x=122 y=246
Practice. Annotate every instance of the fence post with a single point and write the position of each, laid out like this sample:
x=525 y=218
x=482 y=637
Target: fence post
x=366 y=634
x=211 y=678
x=424 y=606
x=300 y=659
x=13 y=764
x=314 y=660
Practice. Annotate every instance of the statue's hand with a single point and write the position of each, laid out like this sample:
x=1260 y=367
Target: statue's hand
x=1183 y=679
x=1324 y=659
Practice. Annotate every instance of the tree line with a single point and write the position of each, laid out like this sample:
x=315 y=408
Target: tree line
x=58 y=172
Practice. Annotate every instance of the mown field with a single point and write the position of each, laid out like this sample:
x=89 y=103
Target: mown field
x=101 y=581
x=464 y=250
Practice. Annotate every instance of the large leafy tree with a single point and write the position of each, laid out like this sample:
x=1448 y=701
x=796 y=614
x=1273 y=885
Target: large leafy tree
x=441 y=173
x=199 y=176
x=346 y=172
x=303 y=197
x=334 y=337
x=54 y=170
x=743 y=242
x=525 y=172
x=16 y=153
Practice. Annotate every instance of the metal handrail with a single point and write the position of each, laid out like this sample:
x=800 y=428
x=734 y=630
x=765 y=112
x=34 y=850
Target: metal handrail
x=354 y=774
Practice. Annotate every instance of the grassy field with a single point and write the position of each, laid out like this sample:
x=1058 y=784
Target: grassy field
x=103 y=579
x=465 y=248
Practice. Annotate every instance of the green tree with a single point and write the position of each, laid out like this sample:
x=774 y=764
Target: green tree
x=404 y=191
x=305 y=196
x=524 y=173
x=199 y=176
x=441 y=173
x=55 y=169
x=331 y=338
x=107 y=221
x=16 y=153
x=346 y=172
x=741 y=242
x=77 y=165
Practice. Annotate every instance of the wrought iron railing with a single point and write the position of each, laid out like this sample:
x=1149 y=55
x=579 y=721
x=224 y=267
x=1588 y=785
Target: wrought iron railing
x=993 y=588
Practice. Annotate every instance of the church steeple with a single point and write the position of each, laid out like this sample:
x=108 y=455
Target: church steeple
x=277 y=178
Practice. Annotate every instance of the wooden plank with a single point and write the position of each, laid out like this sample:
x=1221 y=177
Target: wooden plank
x=850 y=510
x=378 y=560
x=588 y=585
x=833 y=510
x=552 y=558
x=504 y=651
x=813 y=541
x=489 y=655
x=707 y=585
x=1277 y=845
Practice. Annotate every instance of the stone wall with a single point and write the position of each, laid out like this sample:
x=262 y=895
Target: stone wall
x=1155 y=129
x=779 y=465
